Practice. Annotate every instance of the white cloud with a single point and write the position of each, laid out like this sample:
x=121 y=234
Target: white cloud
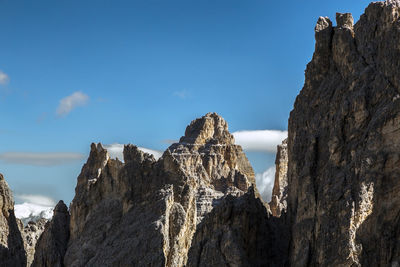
x=4 y=78
x=67 y=104
x=41 y=159
x=116 y=151
x=36 y=199
x=265 y=183
x=260 y=140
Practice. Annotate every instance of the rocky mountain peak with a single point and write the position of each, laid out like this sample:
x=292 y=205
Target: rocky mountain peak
x=210 y=128
x=133 y=154
x=98 y=154
x=322 y=24
x=159 y=203
x=344 y=20
x=52 y=243
x=61 y=207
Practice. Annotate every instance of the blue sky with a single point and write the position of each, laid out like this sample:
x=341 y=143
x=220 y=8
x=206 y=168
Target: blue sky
x=139 y=71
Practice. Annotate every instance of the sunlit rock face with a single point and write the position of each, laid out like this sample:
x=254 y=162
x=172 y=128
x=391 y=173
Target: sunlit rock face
x=12 y=252
x=344 y=145
x=278 y=202
x=31 y=233
x=144 y=212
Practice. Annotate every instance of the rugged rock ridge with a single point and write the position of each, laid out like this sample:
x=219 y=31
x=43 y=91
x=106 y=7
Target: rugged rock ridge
x=12 y=251
x=343 y=145
x=145 y=212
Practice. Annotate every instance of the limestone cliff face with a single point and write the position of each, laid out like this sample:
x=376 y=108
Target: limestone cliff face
x=278 y=202
x=344 y=145
x=240 y=232
x=145 y=212
x=30 y=235
x=12 y=251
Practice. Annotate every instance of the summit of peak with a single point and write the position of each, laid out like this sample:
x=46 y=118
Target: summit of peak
x=209 y=128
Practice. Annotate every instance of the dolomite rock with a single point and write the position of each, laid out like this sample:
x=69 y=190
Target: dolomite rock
x=198 y=205
x=344 y=145
x=278 y=202
x=52 y=243
x=30 y=235
x=12 y=251
x=145 y=212
x=240 y=232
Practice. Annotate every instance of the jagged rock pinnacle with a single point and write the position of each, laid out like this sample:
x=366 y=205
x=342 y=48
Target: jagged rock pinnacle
x=344 y=20
x=210 y=128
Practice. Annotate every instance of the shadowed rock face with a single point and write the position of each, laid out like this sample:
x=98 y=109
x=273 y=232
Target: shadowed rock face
x=344 y=144
x=240 y=232
x=12 y=251
x=52 y=244
x=144 y=212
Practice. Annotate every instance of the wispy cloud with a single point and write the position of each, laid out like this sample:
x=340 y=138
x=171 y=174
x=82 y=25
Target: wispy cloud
x=35 y=199
x=39 y=158
x=116 y=151
x=67 y=104
x=4 y=78
x=260 y=140
x=265 y=183
x=169 y=141
x=182 y=94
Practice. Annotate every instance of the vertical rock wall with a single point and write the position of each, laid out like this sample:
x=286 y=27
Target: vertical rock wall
x=278 y=202
x=12 y=252
x=52 y=244
x=344 y=144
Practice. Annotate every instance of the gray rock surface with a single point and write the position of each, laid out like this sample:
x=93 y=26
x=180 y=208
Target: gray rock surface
x=144 y=212
x=12 y=251
x=344 y=145
x=52 y=243
x=240 y=232
x=278 y=204
x=30 y=235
